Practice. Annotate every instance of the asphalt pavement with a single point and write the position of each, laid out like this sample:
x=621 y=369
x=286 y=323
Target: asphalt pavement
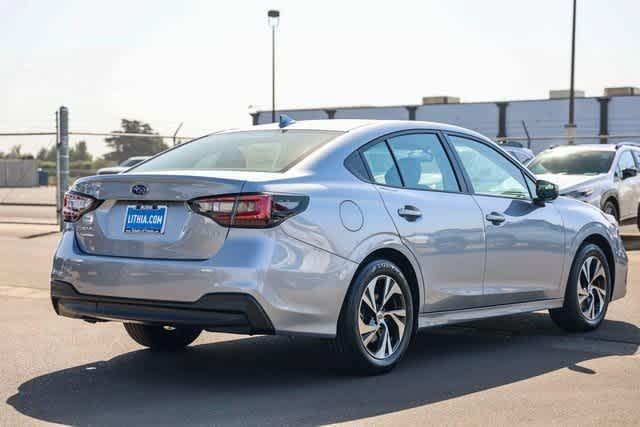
x=513 y=370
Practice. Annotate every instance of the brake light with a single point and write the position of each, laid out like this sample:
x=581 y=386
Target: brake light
x=250 y=210
x=77 y=204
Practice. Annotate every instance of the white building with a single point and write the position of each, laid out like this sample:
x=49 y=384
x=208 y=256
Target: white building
x=613 y=117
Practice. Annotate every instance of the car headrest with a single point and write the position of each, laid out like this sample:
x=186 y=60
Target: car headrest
x=411 y=170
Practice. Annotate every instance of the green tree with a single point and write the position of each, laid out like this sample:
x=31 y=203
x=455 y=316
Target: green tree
x=80 y=153
x=126 y=146
x=16 y=153
x=42 y=154
x=48 y=155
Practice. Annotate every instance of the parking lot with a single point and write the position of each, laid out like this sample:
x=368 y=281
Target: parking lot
x=519 y=369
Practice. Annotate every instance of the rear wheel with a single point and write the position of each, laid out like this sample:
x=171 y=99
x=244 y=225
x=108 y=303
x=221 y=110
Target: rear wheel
x=377 y=320
x=588 y=291
x=158 y=337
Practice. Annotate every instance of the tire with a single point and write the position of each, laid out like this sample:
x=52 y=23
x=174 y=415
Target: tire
x=638 y=217
x=575 y=314
x=373 y=340
x=611 y=209
x=157 y=337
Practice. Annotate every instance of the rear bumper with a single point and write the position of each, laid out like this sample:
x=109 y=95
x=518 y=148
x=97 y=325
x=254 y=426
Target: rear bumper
x=237 y=313
x=299 y=288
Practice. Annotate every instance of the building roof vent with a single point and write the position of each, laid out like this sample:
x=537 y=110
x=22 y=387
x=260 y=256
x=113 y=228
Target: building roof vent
x=621 y=91
x=564 y=94
x=429 y=100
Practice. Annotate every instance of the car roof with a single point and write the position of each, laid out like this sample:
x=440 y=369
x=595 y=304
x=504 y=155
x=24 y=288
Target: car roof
x=347 y=125
x=591 y=147
x=339 y=125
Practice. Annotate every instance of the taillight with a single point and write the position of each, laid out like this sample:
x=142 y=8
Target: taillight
x=250 y=210
x=77 y=204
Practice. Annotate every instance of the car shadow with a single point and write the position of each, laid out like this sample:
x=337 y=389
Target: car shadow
x=278 y=380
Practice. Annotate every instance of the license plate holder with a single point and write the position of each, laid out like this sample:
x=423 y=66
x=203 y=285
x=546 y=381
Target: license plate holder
x=145 y=219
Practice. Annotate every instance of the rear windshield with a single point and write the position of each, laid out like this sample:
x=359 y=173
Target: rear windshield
x=572 y=162
x=131 y=162
x=261 y=151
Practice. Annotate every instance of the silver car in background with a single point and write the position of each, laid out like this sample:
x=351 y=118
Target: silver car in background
x=603 y=175
x=130 y=162
x=520 y=153
x=359 y=231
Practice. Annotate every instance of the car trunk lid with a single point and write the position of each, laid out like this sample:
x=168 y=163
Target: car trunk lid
x=184 y=234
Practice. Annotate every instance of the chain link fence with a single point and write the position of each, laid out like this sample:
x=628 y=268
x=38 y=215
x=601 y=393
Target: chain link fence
x=59 y=170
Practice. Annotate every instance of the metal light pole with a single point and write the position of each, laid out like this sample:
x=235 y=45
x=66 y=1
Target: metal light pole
x=62 y=164
x=571 y=126
x=274 y=20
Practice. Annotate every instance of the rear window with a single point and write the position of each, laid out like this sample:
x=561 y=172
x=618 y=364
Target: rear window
x=261 y=151
x=131 y=162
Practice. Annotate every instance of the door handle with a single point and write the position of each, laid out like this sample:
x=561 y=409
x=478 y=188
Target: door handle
x=410 y=213
x=495 y=218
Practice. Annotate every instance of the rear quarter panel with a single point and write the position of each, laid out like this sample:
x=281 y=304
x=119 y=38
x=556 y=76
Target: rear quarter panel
x=582 y=220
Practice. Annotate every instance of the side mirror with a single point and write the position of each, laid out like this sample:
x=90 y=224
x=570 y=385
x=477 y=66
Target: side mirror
x=628 y=173
x=545 y=191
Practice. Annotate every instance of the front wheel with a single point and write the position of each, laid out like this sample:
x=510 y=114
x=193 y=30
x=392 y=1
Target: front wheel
x=588 y=291
x=158 y=337
x=377 y=320
x=611 y=209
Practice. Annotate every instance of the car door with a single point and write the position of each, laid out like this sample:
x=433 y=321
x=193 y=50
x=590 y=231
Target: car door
x=627 y=185
x=525 y=240
x=441 y=224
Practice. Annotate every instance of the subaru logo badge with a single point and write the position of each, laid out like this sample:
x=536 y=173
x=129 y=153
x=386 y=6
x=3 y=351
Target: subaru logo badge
x=139 y=190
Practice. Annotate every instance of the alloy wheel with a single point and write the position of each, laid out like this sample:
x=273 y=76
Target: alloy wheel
x=382 y=317
x=592 y=288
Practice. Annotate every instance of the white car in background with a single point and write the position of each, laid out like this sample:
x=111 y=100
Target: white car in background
x=130 y=162
x=603 y=175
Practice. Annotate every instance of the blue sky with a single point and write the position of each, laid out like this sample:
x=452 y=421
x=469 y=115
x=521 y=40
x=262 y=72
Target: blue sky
x=204 y=62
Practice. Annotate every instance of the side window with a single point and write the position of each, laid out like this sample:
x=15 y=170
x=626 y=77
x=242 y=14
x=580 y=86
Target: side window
x=489 y=171
x=423 y=163
x=381 y=165
x=625 y=162
x=636 y=154
x=355 y=165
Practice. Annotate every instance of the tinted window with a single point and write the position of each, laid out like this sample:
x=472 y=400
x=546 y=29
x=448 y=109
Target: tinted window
x=520 y=156
x=489 y=171
x=263 y=151
x=355 y=165
x=625 y=162
x=423 y=163
x=381 y=165
x=572 y=161
x=131 y=162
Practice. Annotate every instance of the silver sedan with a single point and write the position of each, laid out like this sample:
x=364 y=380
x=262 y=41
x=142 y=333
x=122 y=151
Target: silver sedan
x=359 y=231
